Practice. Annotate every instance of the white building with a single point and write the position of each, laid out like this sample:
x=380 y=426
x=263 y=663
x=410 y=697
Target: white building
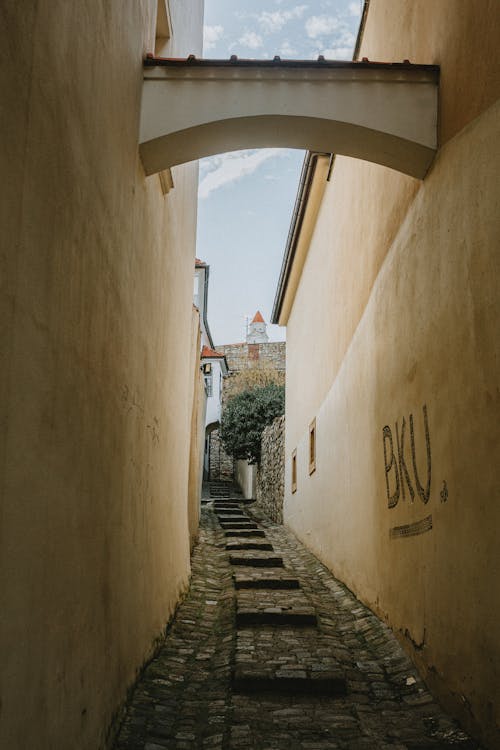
x=200 y=298
x=213 y=363
x=214 y=366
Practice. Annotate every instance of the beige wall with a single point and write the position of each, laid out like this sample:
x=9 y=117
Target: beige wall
x=95 y=320
x=197 y=436
x=397 y=308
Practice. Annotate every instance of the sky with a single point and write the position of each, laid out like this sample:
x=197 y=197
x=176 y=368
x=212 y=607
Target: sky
x=246 y=198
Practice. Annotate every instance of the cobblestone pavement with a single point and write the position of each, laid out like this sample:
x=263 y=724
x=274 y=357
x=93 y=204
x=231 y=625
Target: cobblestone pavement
x=273 y=653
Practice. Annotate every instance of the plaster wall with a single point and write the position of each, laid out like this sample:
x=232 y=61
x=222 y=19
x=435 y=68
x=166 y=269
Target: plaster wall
x=198 y=400
x=214 y=401
x=245 y=475
x=397 y=309
x=95 y=314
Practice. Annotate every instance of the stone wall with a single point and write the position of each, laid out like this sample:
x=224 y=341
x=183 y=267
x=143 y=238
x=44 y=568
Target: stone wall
x=271 y=472
x=242 y=380
x=246 y=356
x=221 y=465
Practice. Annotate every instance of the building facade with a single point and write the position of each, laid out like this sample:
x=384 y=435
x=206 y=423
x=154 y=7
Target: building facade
x=392 y=310
x=95 y=439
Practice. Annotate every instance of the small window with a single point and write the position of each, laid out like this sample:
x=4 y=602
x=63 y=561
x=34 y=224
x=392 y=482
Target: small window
x=209 y=384
x=312 y=446
x=294 y=470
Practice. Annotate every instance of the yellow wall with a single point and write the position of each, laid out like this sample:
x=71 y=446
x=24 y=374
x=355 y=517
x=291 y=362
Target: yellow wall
x=197 y=437
x=96 y=287
x=397 y=309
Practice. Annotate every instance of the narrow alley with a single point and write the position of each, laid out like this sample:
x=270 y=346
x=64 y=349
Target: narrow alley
x=250 y=242
x=269 y=651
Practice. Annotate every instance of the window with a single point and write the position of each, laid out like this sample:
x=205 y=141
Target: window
x=312 y=446
x=294 y=470
x=209 y=384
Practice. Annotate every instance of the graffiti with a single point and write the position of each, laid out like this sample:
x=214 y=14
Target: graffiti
x=411 y=529
x=444 y=493
x=424 y=494
x=392 y=499
x=397 y=475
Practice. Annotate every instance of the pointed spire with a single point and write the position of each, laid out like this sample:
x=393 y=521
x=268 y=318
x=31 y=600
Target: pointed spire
x=257 y=330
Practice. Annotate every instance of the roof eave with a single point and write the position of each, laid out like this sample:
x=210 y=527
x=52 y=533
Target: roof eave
x=303 y=192
x=294 y=235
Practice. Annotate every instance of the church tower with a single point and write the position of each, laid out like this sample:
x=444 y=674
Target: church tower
x=257 y=330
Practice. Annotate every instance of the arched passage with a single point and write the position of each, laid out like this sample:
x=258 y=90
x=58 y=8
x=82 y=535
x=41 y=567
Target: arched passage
x=381 y=112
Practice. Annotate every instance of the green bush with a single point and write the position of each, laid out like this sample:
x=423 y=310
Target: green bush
x=245 y=417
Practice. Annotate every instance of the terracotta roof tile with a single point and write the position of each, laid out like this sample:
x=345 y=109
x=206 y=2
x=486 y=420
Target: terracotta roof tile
x=207 y=352
x=198 y=262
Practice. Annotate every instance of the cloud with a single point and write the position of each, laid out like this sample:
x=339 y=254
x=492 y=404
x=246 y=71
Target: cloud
x=251 y=39
x=286 y=49
x=321 y=26
x=337 y=53
x=211 y=35
x=273 y=21
x=225 y=169
x=354 y=8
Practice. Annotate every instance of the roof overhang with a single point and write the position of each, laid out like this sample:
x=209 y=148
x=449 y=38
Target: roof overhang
x=313 y=179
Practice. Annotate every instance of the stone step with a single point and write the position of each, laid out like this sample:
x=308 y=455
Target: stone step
x=254 y=560
x=262 y=578
x=274 y=607
x=238 y=525
x=234 y=517
x=253 y=681
x=277 y=617
x=245 y=532
x=235 y=509
x=293 y=660
x=242 y=546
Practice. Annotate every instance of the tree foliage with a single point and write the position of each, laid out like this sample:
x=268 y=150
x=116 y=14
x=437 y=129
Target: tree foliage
x=245 y=417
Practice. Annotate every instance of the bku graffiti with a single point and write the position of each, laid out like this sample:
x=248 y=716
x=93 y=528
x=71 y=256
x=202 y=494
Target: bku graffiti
x=397 y=475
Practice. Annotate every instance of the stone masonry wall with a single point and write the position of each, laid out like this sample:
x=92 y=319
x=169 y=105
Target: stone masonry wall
x=244 y=356
x=271 y=472
x=221 y=465
x=236 y=382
